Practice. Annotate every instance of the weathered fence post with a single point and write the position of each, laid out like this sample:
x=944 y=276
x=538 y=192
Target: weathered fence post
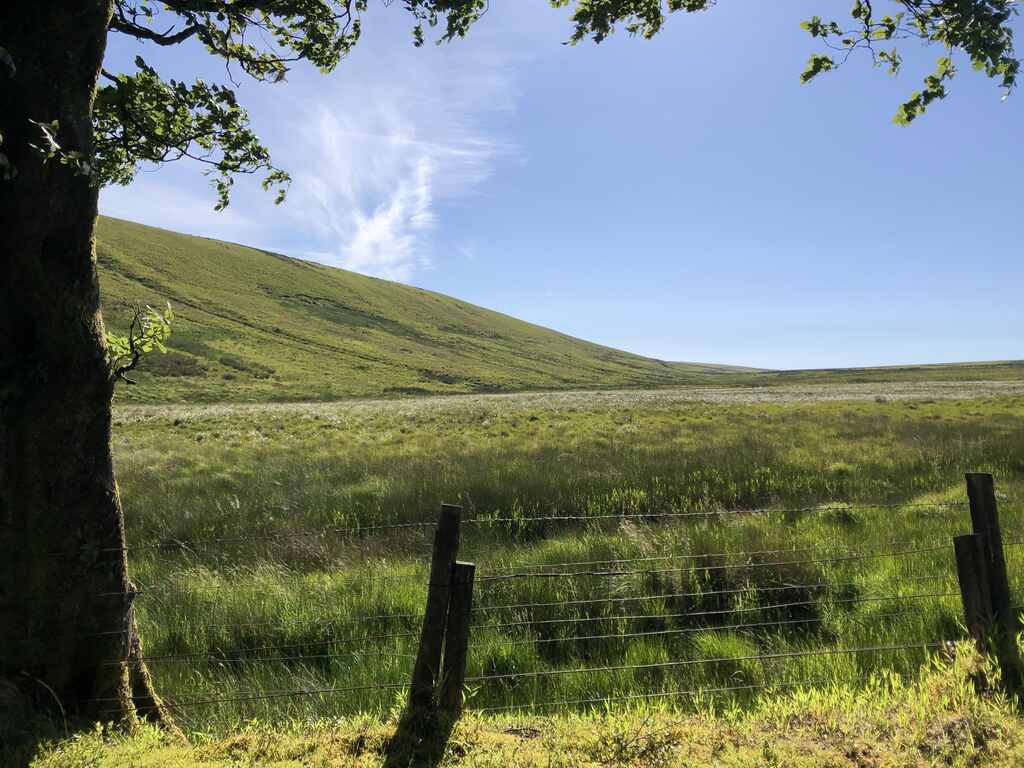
x=985 y=520
x=426 y=670
x=456 y=642
x=972 y=572
x=984 y=585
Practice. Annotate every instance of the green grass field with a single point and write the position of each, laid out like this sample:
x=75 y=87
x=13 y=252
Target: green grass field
x=216 y=443
x=937 y=719
x=260 y=474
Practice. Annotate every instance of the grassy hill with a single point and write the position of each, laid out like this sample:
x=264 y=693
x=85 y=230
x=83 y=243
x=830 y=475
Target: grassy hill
x=256 y=326
x=253 y=325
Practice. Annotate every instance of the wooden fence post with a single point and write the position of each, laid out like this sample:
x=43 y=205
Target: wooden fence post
x=456 y=642
x=1002 y=621
x=972 y=572
x=985 y=520
x=426 y=670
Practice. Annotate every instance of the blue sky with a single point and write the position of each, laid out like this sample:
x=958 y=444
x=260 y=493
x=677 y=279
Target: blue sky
x=684 y=197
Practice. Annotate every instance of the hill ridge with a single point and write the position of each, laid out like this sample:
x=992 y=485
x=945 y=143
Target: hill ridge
x=257 y=325
x=254 y=326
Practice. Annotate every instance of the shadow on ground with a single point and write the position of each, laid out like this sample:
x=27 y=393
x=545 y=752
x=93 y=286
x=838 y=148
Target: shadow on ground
x=419 y=740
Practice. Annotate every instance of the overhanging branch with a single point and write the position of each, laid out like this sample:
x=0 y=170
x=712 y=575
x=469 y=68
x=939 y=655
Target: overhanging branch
x=124 y=26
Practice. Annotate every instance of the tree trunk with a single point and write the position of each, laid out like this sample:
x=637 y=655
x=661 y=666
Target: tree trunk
x=67 y=632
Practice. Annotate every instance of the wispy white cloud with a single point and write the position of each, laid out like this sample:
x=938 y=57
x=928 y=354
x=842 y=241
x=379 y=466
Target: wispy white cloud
x=377 y=151
x=371 y=177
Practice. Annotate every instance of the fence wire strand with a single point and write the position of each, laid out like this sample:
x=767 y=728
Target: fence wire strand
x=210 y=699
x=750 y=589
x=852 y=555
x=816 y=509
x=730 y=566
x=690 y=630
x=692 y=556
x=717 y=612
x=212 y=655
x=268 y=659
x=186 y=544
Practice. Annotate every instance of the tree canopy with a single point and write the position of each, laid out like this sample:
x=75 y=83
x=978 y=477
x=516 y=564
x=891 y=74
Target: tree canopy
x=141 y=117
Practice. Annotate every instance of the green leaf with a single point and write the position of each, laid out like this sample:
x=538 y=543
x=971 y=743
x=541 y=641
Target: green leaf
x=817 y=64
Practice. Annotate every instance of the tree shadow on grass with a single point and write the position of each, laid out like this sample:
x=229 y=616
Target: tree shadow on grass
x=419 y=740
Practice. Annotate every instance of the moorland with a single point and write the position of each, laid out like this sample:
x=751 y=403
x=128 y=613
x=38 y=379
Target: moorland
x=282 y=466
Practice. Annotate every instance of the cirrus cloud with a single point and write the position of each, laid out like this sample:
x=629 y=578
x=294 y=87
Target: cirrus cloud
x=373 y=177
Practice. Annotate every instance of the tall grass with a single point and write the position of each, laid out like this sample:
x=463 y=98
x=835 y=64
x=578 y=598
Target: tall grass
x=258 y=477
x=938 y=718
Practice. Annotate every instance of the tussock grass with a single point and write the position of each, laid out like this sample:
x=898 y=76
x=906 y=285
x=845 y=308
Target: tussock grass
x=249 y=473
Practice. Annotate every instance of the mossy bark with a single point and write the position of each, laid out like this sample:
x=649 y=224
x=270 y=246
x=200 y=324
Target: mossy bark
x=67 y=631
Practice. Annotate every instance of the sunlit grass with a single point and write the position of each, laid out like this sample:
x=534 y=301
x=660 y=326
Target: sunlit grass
x=935 y=717
x=275 y=472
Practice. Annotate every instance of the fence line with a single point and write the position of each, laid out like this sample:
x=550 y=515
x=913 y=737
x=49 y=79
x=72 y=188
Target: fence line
x=278 y=624
x=184 y=544
x=857 y=555
x=207 y=655
x=732 y=566
x=708 y=593
x=326 y=621
x=853 y=556
x=691 y=630
x=169 y=589
x=694 y=556
x=450 y=586
x=238 y=654
x=208 y=699
x=711 y=514
x=585 y=619
x=690 y=614
x=213 y=657
x=269 y=659
x=180 y=544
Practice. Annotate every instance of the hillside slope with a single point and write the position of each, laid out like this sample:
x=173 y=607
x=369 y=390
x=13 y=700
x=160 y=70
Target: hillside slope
x=256 y=326
x=253 y=325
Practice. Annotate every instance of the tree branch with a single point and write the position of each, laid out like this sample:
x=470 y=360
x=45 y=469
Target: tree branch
x=120 y=371
x=141 y=33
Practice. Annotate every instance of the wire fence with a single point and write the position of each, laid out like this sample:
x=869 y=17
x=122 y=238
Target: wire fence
x=645 y=623
x=485 y=520
x=747 y=560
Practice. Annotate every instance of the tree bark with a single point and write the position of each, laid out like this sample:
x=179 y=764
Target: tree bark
x=67 y=632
